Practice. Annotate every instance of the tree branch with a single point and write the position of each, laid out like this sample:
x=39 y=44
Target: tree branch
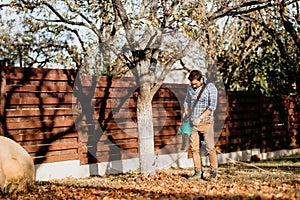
x=289 y=27
x=240 y=9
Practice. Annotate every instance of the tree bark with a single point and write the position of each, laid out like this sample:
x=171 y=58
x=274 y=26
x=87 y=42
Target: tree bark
x=145 y=131
x=2 y=96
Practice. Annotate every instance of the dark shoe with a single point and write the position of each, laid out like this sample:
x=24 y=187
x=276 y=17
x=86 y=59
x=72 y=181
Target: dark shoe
x=213 y=175
x=198 y=175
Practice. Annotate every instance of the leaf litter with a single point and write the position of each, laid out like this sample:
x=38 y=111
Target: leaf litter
x=237 y=180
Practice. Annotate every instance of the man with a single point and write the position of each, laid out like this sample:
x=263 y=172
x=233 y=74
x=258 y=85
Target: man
x=202 y=120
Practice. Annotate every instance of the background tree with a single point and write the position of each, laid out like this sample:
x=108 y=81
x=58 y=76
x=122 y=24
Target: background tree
x=260 y=47
x=68 y=32
x=91 y=23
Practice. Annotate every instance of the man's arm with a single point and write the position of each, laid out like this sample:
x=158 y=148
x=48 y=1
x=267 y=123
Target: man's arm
x=213 y=97
x=186 y=104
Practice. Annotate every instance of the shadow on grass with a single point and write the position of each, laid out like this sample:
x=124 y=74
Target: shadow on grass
x=114 y=192
x=290 y=164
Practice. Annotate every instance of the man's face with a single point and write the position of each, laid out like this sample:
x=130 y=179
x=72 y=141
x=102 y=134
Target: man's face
x=196 y=84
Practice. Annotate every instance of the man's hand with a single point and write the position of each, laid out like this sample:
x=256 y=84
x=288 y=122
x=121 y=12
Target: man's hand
x=185 y=113
x=184 y=116
x=197 y=120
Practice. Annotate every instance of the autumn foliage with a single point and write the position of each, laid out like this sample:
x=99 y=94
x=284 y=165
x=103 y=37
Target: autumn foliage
x=278 y=179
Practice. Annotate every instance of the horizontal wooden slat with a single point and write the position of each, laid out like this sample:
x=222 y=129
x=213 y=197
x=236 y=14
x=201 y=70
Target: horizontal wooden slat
x=23 y=113
x=43 y=136
x=50 y=147
x=39 y=124
x=53 y=130
x=40 y=88
x=242 y=124
x=55 y=158
x=42 y=101
x=243 y=115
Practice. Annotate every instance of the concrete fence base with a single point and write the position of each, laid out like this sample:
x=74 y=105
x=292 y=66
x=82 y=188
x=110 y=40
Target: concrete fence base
x=59 y=170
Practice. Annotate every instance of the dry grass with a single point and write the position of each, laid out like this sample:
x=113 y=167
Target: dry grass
x=276 y=179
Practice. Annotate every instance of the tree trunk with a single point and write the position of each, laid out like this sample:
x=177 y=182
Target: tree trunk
x=2 y=97
x=145 y=131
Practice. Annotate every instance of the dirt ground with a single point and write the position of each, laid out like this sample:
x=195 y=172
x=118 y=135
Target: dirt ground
x=275 y=179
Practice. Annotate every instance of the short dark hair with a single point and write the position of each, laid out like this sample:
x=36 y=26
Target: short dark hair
x=195 y=75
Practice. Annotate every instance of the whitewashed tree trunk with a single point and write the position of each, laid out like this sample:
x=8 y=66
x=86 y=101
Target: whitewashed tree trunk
x=145 y=131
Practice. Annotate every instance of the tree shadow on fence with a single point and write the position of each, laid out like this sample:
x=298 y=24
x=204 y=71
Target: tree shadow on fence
x=35 y=110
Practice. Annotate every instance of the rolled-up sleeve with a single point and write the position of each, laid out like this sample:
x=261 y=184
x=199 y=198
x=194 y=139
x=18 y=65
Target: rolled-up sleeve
x=213 y=97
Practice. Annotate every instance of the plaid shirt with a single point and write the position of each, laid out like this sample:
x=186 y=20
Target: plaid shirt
x=208 y=100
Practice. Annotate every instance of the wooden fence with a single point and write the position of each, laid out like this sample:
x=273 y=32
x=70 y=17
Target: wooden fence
x=268 y=123
x=56 y=115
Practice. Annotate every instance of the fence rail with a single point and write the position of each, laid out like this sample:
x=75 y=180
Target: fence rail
x=56 y=118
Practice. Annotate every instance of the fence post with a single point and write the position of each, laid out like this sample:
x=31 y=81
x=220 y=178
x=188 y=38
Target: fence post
x=2 y=95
